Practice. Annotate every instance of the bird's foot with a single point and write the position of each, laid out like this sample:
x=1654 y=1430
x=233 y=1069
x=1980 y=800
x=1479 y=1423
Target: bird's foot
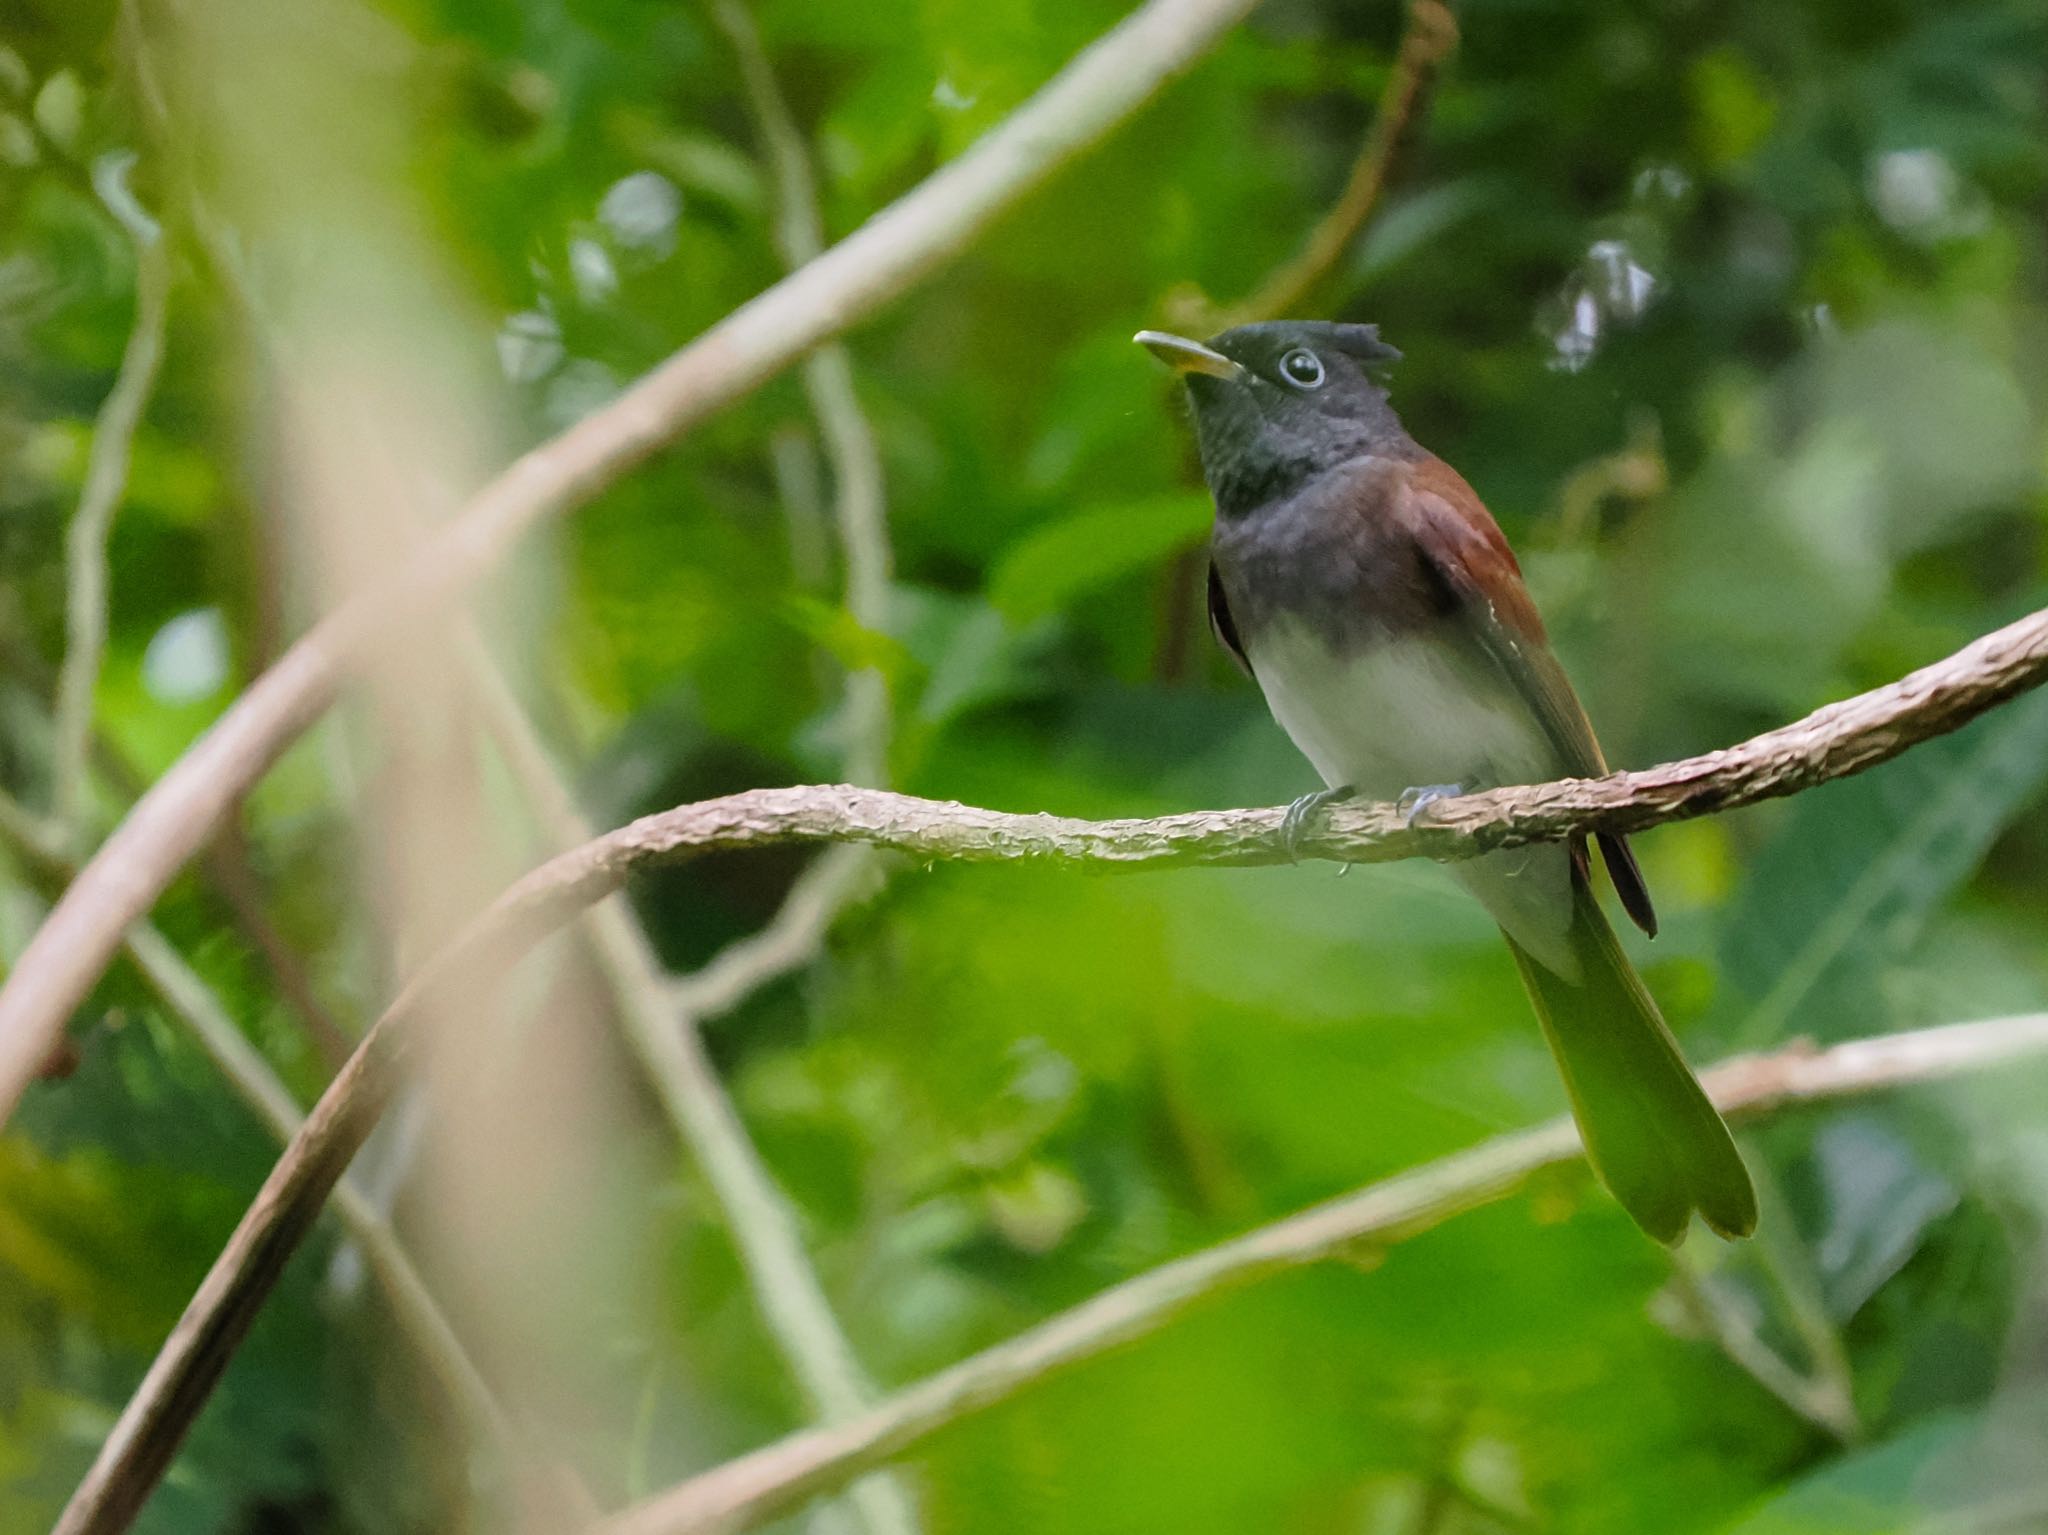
x=1418 y=799
x=1294 y=824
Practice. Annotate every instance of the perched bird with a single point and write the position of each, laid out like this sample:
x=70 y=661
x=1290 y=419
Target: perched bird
x=1365 y=587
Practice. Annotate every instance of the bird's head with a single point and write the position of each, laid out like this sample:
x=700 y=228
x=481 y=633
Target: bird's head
x=1278 y=404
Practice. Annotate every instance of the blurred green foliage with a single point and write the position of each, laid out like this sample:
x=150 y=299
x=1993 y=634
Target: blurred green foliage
x=1734 y=314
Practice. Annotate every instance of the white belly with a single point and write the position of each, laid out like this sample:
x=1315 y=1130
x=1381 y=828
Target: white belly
x=1406 y=714
x=1399 y=714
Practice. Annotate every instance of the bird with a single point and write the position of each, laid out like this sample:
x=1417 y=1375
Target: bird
x=1366 y=589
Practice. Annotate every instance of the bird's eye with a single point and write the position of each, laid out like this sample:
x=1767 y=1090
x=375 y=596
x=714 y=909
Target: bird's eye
x=1302 y=368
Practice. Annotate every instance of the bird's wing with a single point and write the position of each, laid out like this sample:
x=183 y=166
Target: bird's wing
x=1222 y=625
x=1465 y=551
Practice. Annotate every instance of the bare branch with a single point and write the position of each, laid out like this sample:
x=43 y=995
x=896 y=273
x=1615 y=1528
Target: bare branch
x=661 y=1028
x=185 y=994
x=106 y=478
x=1842 y=738
x=1431 y=34
x=1721 y=1320
x=1832 y=742
x=877 y=263
x=764 y=1224
x=828 y=382
x=743 y=1492
x=835 y=880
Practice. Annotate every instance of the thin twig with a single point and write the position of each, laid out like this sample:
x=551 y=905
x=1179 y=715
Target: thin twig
x=1790 y=1266
x=106 y=478
x=763 y=1222
x=1735 y=1334
x=1431 y=34
x=860 y=514
x=880 y=261
x=772 y=1480
x=225 y=863
x=663 y=1034
x=850 y=445
x=187 y=997
x=1843 y=738
x=838 y=878
x=231 y=874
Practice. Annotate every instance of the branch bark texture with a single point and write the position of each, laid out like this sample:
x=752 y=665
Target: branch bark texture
x=877 y=263
x=1840 y=739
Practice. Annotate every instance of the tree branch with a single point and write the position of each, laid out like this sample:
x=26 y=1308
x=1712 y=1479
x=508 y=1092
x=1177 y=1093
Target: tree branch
x=186 y=996
x=764 y=1223
x=662 y=1030
x=225 y=862
x=1431 y=34
x=1840 y=739
x=878 y=262
x=106 y=476
x=1715 y=1318
x=743 y=1492
x=838 y=878
x=850 y=445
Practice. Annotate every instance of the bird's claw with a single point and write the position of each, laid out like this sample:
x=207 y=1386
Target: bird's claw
x=1294 y=824
x=1418 y=799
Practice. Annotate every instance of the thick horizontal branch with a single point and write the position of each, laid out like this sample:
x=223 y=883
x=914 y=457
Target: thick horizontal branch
x=743 y=1492
x=1840 y=739
x=1832 y=742
x=878 y=262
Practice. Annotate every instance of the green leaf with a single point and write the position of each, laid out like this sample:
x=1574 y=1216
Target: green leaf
x=850 y=642
x=1859 y=866
x=1949 y=1475
x=1046 y=570
x=1733 y=107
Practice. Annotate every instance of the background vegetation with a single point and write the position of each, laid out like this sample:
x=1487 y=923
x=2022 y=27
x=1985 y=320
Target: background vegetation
x=1733 y=313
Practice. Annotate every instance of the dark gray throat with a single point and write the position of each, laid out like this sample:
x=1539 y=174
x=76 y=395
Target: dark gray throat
x=1329 y=557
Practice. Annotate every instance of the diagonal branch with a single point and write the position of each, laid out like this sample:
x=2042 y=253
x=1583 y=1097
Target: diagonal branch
x=662 y=1029
x=763 y=1222
x=828 y=382
x=225 y=864
x=1713 y=1316
x=1431 y=34
x=186 y=995
x=658 y=1016
x=1840 y=739
x=741 y=1493
x=106 y=476
x=880 y=261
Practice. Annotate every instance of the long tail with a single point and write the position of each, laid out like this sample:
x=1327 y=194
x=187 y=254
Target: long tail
x=1650 y=1132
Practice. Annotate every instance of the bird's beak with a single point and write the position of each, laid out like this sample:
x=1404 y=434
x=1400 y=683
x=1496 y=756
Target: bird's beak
x=1185 y=356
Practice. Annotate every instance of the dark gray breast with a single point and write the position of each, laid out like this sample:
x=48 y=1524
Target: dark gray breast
x=1332 y=556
